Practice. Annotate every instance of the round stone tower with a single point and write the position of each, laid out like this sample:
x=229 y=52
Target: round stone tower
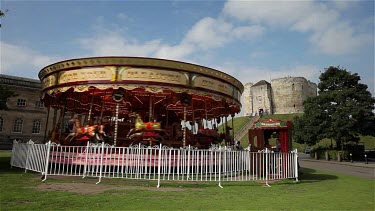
x=247 y=100
x=289 y=93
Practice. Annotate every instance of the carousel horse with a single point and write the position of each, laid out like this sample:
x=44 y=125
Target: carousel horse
x=145 y=129
x=208 y=136
x=100 y=135
x=79 y=131
x=140 y=125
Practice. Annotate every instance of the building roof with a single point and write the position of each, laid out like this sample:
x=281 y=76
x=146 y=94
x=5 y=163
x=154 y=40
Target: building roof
x=262 y=82
x=19 y=81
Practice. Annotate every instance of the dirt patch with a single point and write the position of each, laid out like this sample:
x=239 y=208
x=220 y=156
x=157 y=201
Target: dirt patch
x=88 y=186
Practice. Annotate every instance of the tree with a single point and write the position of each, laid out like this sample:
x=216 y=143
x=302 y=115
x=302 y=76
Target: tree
x=5 y=93
x=2 y=14
x=342 y=111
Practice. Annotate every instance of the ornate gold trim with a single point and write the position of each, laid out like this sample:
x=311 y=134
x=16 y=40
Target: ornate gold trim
x=139 y=62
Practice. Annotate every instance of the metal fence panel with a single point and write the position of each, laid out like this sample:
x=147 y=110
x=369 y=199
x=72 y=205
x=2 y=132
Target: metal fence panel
x=155 y=163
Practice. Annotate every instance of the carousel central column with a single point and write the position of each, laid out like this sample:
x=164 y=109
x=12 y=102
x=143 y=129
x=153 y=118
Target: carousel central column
x=116 y=125
x=184 y=132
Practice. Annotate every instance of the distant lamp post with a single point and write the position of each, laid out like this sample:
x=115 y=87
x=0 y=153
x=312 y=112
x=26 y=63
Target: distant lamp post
x=366 y=158
x=351 y=157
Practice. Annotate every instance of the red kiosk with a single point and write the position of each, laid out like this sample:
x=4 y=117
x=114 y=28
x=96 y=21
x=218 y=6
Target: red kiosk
x=262 y=131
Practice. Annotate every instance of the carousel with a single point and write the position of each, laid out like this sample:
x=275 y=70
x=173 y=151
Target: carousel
x=131 y=100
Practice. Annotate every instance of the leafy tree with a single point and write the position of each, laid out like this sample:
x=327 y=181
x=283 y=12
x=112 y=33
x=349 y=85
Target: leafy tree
x=2 y=14
x=342 y=111
x=5 y=93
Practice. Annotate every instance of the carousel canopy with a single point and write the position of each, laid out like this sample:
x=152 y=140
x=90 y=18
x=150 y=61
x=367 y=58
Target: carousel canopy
x=155 y=86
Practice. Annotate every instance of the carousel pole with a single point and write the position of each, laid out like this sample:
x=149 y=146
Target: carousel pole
x=193 y=120
x=184 y=132
x=92 y=101
x=205 y=110
x=61 y=120
x=150 y=110
x=116 y=125
x=226 y=128
x=101 y=112
x=232 y=128
x=167 y=116
x=45 y=130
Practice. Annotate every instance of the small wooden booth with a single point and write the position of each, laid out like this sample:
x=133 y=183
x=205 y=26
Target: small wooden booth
x=262 y=132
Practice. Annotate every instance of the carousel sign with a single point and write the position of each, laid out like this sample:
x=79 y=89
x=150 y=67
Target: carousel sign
x=270 y=123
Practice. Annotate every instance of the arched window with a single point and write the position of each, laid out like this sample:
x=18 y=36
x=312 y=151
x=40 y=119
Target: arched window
x=18 y=126
x=36 y=126
x=1 y=124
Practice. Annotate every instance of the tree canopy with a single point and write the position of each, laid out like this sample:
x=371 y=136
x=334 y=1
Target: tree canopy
x=342 y=111
x=5 y=93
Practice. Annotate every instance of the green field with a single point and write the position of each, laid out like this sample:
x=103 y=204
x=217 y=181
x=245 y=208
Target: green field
x=316 y=191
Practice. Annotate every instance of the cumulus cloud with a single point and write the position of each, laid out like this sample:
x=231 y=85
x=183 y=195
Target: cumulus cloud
x=19 y=60
x=254 y=74
x=208 y=33
x=212 y=33
x=330 y=34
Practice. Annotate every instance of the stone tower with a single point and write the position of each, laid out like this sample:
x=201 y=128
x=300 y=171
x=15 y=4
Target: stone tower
x=281 y=96
x=257 y=98
x=289 y=93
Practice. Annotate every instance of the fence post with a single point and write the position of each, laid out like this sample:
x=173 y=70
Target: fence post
x=159 y=161
x=296 y=163
x=47 y=161
x=188 y=164
x=101 y=163
x=13 y=153
x=220 y=167
x=27 y=154
x=267 y=166
x=86 y=160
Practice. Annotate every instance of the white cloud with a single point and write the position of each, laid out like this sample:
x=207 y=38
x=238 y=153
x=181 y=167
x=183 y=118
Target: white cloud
x=178 y=52
x=206 y=34
x=212 y=33
x=112 y=43
x=329 y=33
x=254 y=74
x=339 y=39
x=19 y=60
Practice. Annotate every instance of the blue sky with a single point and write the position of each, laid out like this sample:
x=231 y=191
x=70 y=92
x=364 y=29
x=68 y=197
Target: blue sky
x=250 y=40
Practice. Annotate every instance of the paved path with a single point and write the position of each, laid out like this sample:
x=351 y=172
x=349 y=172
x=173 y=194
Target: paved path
x=359 y=169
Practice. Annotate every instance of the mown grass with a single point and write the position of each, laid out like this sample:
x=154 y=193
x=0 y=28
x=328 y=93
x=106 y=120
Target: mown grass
x=316 y=190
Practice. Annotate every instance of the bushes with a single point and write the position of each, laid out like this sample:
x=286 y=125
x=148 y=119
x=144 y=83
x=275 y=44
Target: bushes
x=320 y=153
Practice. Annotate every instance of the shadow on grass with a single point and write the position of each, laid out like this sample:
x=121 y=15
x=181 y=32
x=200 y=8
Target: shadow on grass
x=307 y=175
x=5 y=166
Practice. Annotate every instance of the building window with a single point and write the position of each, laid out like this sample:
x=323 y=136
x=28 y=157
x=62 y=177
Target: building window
x=302 y=86
x=18 y=125
x=293 y=89
x=21 y=102
x=39 y=104
x=36 y=126
x=1 y=124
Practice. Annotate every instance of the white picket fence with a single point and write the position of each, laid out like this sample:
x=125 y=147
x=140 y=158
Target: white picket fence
x=159 y=163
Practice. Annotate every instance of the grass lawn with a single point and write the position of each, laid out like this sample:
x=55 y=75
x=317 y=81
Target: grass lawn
x=316 y=190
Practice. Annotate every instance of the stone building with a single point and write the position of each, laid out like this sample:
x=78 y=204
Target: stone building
x=26 y=117
x=281 y=96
